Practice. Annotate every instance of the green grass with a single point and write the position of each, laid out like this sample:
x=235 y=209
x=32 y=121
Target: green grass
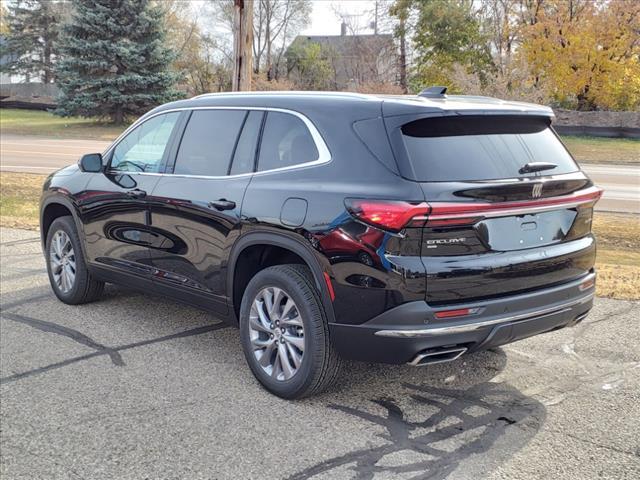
x=41 y=123
x=19 y=199
x=603 y=150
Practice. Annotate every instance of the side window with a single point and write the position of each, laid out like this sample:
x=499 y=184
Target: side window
x=245 y=154
x=286 y=141
x=142 y=150
x=208 y=142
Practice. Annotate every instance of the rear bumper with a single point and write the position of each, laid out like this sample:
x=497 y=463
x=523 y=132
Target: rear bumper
x=402 y=334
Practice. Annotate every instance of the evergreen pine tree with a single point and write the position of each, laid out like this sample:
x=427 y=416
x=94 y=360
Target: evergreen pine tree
x=114 y=60
x=30 y=46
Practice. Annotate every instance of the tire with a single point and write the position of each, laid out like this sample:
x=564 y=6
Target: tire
x=83 y=288
x=320 y=363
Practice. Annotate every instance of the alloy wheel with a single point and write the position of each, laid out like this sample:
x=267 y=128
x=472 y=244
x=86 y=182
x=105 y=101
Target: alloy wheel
x=62 y=259
x=277 y=333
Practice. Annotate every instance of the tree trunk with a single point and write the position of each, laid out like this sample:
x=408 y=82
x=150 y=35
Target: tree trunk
x=269 y=42
x=47 y=40
x=117 y=117
x=257 y=39
x=584 y=104
x=48 y=70
x=242 y=44
x=403 y=55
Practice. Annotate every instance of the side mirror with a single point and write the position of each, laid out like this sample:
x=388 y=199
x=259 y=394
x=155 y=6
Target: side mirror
x=91 y=162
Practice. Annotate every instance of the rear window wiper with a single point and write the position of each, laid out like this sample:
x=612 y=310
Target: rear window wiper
x=536 y=167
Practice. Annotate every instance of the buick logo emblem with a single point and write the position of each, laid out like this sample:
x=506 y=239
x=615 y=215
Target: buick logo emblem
x=537 y=190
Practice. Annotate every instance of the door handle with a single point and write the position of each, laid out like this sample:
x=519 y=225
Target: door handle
x=136 y=193
x=222 y=204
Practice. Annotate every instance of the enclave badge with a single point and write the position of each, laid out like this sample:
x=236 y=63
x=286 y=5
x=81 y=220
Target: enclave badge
x=433 y=243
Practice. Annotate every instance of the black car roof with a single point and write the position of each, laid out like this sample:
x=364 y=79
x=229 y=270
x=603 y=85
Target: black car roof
x=358 y=104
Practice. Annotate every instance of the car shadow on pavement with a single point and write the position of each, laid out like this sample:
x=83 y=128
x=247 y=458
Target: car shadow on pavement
x=454 y=417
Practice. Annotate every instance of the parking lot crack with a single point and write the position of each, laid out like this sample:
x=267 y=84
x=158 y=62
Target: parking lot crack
x=110 y=350
x=623 y=311
x=596 y=444
x=24 y=301
x=23 y=273
x=20 y=242
x=75 y=335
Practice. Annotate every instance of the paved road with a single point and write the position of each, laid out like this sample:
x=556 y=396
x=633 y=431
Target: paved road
x=137 y=387
x=21 y=153
x=39 y=155
x=621 y=186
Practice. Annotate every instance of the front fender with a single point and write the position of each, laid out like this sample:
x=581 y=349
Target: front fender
x=58 y=196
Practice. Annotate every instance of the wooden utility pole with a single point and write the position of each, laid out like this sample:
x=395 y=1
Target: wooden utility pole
x=242 y=44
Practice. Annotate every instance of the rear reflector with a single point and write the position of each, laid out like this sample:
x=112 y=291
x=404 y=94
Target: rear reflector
x=461 y=312
x=327 y=279
x=587 y=284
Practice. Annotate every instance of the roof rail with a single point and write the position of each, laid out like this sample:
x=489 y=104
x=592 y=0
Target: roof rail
x=431 y=92
x=281 y=92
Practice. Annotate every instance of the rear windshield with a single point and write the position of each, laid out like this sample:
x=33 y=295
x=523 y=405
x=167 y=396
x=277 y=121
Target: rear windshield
x=482 y=147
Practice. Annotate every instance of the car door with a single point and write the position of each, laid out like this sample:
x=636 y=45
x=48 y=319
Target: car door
x=113 y=208
x=197 y=204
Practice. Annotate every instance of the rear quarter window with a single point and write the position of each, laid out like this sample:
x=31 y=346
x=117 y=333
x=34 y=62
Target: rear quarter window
x=481 y=147
x=286 y=141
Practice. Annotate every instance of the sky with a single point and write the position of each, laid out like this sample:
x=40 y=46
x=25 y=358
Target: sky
x=325 y=22
x=325 y=19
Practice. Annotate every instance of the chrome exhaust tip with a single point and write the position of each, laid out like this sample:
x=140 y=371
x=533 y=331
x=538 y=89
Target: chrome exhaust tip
x=437 y=356
x=579 y=318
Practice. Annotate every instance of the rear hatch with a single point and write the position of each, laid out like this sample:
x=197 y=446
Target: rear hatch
x=508 y=209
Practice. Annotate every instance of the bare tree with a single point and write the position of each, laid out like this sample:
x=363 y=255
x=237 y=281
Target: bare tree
x=276 y=22
x=197 y=57
x=379 y=16
x=350 y=23
x=367 y=55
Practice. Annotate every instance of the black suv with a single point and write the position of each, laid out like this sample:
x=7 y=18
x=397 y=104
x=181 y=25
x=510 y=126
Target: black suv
x=408 y=229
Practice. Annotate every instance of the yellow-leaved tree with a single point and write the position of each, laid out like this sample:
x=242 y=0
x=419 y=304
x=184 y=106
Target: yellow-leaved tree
x=585 y=53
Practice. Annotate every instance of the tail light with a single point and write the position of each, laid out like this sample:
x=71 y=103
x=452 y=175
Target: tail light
x=395 y=215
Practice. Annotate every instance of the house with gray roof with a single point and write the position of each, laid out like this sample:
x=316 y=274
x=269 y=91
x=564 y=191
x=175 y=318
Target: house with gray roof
x=354 y=59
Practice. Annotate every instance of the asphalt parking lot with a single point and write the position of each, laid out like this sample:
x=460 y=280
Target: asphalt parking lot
x=134 y=386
